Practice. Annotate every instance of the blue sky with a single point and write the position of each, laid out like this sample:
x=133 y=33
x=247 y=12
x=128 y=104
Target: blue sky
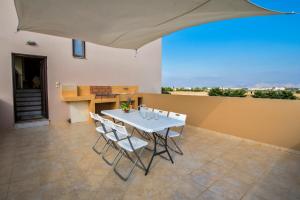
x=246 y=52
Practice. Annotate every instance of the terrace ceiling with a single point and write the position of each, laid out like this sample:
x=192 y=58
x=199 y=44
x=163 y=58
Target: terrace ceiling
x=126 y=24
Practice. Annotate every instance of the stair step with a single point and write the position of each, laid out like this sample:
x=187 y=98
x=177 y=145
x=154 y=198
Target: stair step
x=29 y=108
x=22 y=99
x=32 y=123
x=26 y=113
x=29 y=94
x=29 y=103
x=28 y=90
x=30 y=117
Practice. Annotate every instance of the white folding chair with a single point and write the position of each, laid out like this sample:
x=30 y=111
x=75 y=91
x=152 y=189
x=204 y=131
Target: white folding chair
x=112 y=138
x=148 y=108
x=100 y=128
x=161 y=112
x=172 y=134
x=128 y=145
x=93 y=116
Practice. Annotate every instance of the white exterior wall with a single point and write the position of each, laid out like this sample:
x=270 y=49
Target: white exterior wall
x=102 y=66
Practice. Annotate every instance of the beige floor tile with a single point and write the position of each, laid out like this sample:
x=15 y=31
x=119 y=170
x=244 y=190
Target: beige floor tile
x=57 y=162
x=251 y=169
x=3 y=191
x=216 y=169
x=252 y=196
x=268 y=191
x=28 y=184
x=185 y=188
x=294 y=194
x=20 y=173
x=49 y=176
x=231 y=188
x=53 y=190
x=28 y=195
x=204 y=178
x=209 y=195
x=236 y=174
x=68 y=196
x=6 y=160
x=5 y=174
x=223 y=162
x=109 y=193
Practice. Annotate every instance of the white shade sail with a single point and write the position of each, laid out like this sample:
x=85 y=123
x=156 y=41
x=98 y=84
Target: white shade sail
x=126 y=24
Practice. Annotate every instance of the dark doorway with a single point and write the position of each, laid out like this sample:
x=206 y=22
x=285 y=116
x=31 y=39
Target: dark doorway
x=30 y=87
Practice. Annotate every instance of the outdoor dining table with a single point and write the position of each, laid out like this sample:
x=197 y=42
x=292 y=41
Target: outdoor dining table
x=149 y=125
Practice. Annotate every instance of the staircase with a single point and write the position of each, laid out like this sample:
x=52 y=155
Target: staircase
x=28 y=104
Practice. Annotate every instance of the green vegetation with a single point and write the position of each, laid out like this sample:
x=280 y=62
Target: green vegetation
x=288 y=93
x=166 y=90
x=215 y=92
x=294 y=90
x=199 y=89
x=271 y=94
x=227 y=92
x=183 y=89
x=125 y=106
x=195 y=89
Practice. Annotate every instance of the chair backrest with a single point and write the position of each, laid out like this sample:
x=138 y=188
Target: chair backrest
x=120 y=129
x=148 y=109
x=93 y=115
x=108 y=123
x=98 y=118
x=178 y=116
x=161 y=112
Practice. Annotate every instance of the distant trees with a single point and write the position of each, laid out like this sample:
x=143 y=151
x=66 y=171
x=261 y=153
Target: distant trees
x=215 y=92
x=288 y=93
x=183 y=89
x=227 y=92
x=166 y=90
x=199 y=89
x=271 y=94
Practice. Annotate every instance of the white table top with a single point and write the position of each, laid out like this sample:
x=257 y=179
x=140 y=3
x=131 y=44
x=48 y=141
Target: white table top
x=135 y=119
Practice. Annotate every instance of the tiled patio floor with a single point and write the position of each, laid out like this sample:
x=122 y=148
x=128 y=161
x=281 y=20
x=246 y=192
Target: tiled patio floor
x=58 y=163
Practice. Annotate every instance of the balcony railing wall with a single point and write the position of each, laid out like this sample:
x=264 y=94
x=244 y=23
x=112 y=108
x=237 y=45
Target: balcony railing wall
x=276 y=122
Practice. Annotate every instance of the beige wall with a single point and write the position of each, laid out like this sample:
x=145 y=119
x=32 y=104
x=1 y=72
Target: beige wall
x=103 y=66
x=275 y=122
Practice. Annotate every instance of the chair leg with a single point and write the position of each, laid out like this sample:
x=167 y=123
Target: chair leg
x=177 y=150
x=94 y=146
x=166 y=147
x=143 y=134
x=147 y=136
x=160 y=142
x=109 y=145
x=125 y=178
x=131 y=159
x=143 y=167
x=117 y=122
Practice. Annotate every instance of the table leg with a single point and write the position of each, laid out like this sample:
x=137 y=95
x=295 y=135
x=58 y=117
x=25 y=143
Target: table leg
x=155 y=153
x=166 y=146
x=118 y=122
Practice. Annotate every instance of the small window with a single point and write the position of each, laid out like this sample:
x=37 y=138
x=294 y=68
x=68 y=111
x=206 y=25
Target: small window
x=78 y=48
